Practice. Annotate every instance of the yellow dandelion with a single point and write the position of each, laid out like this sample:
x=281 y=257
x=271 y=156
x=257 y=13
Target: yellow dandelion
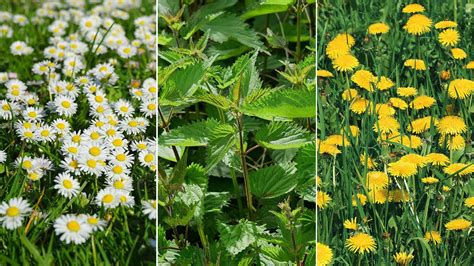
x=413 y=142
x=379 y=196
x=422 y=102
x=353 y=131
x=324 y=254
x=362 y=199
x=429 y=180
x=378 y=28
x=399 y=195
x=421 y=125
x=458 y=224
x=324 y=73
x=371 y=164
x=403 y=258
x=345 y=63
x=449 y=37
x=318 y=180
x=330 y=149
x=418 y=160
x=363 y=79
x=376 y=180
x=384 y=83
x=445 y=75
x=453 y=143
x=349 y=94
x=337 y=140
x=460 y=169
x=335 y=49
x=446 y=24
x=437 y=159
x=460 y=88
x=433 y=236
x=361 y=243
x=351 y=224
x=398 y=103
x=452 y=125
x=470 y=65
x=469 y=202
x=386 y=125
x=407 y=91
x=416 y=64
x=359 y=105
x=418 y=24
x=458 y=53
x=323 y=199
x=413 y=8
x=383 y=110
x=446 y=189
x=345 y=38
x=402 y=169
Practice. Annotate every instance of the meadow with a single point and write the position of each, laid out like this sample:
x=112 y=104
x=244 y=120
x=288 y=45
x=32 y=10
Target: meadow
x=395 y=154
x=77 y=123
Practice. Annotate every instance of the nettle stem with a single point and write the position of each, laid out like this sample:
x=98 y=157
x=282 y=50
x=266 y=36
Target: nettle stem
x=243 y=154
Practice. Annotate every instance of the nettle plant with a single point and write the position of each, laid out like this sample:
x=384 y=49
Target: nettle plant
x=236 y=135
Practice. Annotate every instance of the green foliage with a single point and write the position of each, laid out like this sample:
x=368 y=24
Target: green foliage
x=237 y=125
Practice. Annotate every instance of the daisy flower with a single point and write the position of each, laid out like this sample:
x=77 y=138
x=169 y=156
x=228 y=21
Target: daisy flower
x=66 y=185
x=108 y=198
x=72 y=229
x=13 y=212
x=149 y=208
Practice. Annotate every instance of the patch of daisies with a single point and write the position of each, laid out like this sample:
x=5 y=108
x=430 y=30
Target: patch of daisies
x=64 y=121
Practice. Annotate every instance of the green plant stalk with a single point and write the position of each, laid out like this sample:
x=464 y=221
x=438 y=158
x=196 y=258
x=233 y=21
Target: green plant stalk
x=298 y=31
x=204 y=242
x=242 y=153
x=236 y=191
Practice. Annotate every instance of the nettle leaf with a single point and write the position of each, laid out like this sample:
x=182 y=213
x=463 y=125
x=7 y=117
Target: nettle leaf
x=222 y=139
x=190 y=135
x=190 y=195
x=276 y=253
x=196 y=174
x=306 y=162
x=166 y=152
x=168 y=7
x=187 y=78
x=282 y=135
x=286 y=103
x=272 y=181
x=215 y=201
x=230 y=27
x=238 y=237
x=217 y=100
x=267 y=7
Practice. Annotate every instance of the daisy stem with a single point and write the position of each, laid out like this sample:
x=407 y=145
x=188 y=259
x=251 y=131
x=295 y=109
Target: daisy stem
x=94 y=253
x=126 y=221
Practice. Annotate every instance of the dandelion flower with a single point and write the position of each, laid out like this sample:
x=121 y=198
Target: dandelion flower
x=403 y=258
x=321 y=73
x=402 y=169
x=469 y=202
x=324 y=254
x=383 y=83
x=337 y=140
x=422 y=102
x=458 y=53
x=457 y=224
x=349 y=94
x=421 y=125
x=417 y=159
x=413 y=8
x=399 y=195
x=351 y=224
x=470 y=65
x=451 y=125
x=362 y=199
x=371 y=164
x=407 y=91
x=455 y=142
x=72 y=228
x=363 y=79
x=376 y=180
x=384 y=110
x=361 y=243
x=418 y=24
x=433 y=236
x=13 y=212
x=460 y=88
x=359 y=105
x=386 y=125
x=416 y=64
x=379 y=196
x=449 y=37
x=437 y=159
x=378 y=28
x=398 y=103
x=446 y=24
x=345 y=63
x=460 y=169
x=330 y=149
x=322 y=199
x=429 y=180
